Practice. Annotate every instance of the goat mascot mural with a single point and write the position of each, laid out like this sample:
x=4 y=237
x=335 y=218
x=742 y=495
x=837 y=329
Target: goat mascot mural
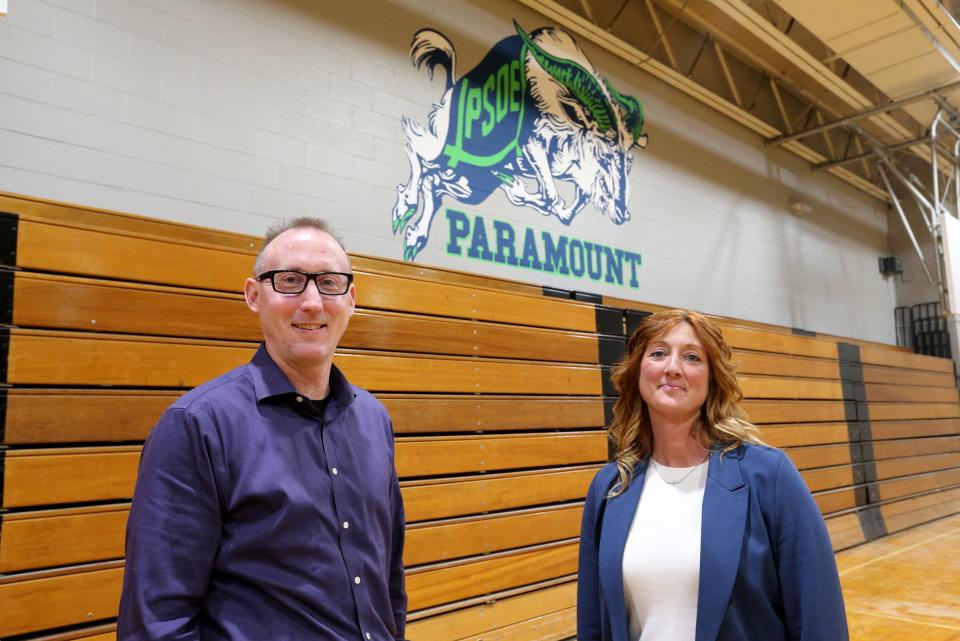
x=533 y=109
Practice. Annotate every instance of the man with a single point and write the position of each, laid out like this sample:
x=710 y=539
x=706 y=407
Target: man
x=267 y=506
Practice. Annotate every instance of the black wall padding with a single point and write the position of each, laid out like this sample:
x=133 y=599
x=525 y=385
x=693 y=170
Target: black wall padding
x=4 y=352
x=633 y=318
x=6 y=296
x=610 y=321
x=608 y=403
x=8 y=238
x=587 y=297
x=857 y=414
x=3 y=425
x=555 y=292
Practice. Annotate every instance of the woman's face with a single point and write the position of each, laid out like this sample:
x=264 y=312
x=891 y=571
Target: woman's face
x=675 y=375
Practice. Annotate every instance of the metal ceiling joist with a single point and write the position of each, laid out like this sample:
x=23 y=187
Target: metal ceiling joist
x=866 y=113
x=870 y=154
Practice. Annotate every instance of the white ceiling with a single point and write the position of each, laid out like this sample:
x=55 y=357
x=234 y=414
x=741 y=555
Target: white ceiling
x=881 y=40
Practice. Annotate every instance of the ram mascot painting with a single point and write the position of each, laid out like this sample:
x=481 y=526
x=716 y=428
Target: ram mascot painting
x=533 y=113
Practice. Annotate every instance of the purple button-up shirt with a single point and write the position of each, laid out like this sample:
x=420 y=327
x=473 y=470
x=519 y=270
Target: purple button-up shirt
x=257 y=518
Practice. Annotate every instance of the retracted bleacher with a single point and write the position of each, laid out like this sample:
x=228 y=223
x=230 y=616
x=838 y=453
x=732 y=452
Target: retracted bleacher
x=498 y=393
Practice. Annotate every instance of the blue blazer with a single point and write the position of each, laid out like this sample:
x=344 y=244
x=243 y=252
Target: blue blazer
x=767 y=570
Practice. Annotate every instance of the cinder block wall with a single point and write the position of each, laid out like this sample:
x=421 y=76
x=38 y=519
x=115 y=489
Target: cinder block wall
x=233 y=113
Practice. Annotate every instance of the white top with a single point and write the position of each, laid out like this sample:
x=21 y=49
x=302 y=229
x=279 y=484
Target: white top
x=661 y=559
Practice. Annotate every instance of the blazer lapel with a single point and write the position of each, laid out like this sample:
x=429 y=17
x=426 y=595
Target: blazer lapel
x=725 y=503
x=617 y=519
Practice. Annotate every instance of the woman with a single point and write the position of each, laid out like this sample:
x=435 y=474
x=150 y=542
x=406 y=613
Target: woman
x=697 y=531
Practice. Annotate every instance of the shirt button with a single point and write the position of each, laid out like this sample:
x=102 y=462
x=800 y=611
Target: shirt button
x=346 y=524
x=299 y=399
x=334 y=470
x=368 y=635
x=356 y=580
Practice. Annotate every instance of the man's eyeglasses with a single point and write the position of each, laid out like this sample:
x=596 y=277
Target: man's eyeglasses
x=286 y=281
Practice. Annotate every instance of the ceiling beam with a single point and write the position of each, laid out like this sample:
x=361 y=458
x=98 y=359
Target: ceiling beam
x=870 y=154
x=887 y=106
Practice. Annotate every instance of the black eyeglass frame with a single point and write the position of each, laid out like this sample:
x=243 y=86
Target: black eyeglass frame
x=311 y=277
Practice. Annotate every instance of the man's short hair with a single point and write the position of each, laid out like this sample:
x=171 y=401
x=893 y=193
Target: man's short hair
x=301 y=222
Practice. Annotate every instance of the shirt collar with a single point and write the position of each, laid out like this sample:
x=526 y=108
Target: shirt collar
x=269 y=380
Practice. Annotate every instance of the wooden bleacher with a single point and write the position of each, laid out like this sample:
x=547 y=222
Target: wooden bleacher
x=498 y=393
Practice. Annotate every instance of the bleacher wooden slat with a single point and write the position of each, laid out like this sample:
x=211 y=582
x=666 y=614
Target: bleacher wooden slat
x=918 y=484
x=836 y=500
x=389 y=266
x=845 y=530
x=912 y=465
x=379 y=291
x=457 y=455
x=42 y=600
x=900 y=376
x=440 y=541
x=918 y=428
x=808 y=434
x=36 y=416
x=900 y=411
x=431 y=586
x=828 y=477
x=791 y=388
x=130 y=308
x=480 y=620
x=820 y=456
x=875 y=355
x=915 y=446
x=882 y=393
x=62 y=537
x=409 y=373
x=899 y=515
x=39 y=357
x=743 y=338
x=69 y=475
x=95 y=252
x=432 y=413
x=556 y=626
x=443 y=498
x=102 y=632
x=793 y=411
x=782 y=365
x=391 y=331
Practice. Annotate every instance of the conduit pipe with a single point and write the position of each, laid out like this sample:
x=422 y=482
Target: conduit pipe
x=906 y=223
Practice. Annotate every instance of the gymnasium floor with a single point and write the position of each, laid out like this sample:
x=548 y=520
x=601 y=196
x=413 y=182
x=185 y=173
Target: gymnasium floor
x=906 y=586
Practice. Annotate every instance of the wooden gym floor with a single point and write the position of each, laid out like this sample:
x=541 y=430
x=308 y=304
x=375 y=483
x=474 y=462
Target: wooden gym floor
x=905 y=586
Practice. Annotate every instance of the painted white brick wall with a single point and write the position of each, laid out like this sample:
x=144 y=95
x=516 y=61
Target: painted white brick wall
x=235 y=113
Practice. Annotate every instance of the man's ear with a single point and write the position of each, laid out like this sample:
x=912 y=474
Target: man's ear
x=251 y=293
x=352 y=293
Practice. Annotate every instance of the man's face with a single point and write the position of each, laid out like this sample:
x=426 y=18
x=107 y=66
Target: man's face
x=301 y=330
